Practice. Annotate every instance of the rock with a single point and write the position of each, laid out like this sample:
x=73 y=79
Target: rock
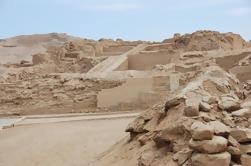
x=200 y=131
x=221 y=159
x=245 y=149
x=229 y=121
x=137 y=126
x=246 y=104
x=245 y=160
x=162 y=140
x=247 y=85
x=182 y=156
x=245 y=112
x=191 y=111
x=171 y=163
x=234 y=150
x=149 y=114
x=233 y=142
x=204 y=107
x=146 y=158
x=216 y=145
x=220 y=129
x=209 y=100
x=174 y=102
x=234 y=164
x=207 y=117
x=229 y=104
x=145 y=138
x=242 y=135
x=242 y=95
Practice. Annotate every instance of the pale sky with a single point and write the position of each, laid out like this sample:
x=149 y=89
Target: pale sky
x=127 y=19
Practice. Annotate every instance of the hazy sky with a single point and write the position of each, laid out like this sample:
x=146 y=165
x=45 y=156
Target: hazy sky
x=127 y=19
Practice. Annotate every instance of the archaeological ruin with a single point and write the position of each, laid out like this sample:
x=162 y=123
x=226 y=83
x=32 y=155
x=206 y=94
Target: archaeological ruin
x=193 y=92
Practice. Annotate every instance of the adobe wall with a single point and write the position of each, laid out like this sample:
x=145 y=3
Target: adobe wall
x=243 y=73
x=117 y=48
x=249 y=44
x=161 y=83
x=147 y=60
x=228 y=62
x=157 y=47
x=126 y=93
x=123 y=66
x=137 y=93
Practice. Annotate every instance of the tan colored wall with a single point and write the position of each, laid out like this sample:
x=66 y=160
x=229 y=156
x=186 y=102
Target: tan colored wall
x=249 y=44
x=161 y=83
x=123 y=66
x=156 y=47
x=119 y=48
x=243 y=73
x=128 y=92
x=146 y=61
x=229 y=62
x=136 y=93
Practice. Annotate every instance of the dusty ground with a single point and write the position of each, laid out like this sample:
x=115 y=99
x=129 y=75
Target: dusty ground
x=59 y=144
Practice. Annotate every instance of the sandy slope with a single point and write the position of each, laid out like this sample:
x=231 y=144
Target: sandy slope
x=59 y=144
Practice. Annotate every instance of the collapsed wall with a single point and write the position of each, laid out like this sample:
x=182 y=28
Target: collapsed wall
x=205 y=124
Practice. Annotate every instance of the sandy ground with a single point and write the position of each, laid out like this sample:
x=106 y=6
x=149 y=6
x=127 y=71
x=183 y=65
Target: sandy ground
x=59 y=144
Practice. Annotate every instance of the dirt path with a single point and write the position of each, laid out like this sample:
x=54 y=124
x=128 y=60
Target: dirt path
x=59 y=144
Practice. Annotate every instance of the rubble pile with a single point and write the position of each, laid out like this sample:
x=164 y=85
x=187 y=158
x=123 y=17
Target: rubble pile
x=207 y=123
x=207 y=40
